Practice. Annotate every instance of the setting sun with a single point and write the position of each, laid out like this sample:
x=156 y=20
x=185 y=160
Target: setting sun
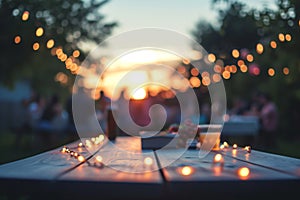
x=139 y=94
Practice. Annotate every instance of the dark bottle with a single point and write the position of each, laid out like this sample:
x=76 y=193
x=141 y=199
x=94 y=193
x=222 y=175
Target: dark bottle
x=112 y=128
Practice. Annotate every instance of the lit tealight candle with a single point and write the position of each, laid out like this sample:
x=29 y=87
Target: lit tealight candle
x=81 y=158
x=148 y=161
x=186 y=170
x=243 y=172
x=234 y=146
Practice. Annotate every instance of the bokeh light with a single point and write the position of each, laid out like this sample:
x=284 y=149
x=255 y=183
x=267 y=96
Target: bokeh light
x=25 y=16
x=36 y=46
x=17 y=39
x=271 y=72
x=50 y=43
x=39 y=32
x=235 y=53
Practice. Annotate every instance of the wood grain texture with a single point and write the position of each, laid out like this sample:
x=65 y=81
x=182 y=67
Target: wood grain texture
x=280 y=163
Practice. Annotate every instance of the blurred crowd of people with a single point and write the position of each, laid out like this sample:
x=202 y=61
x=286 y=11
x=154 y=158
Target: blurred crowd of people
x=262 y=106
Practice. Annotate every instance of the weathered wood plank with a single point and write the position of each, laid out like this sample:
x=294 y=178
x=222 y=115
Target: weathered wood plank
x=124 y=170
x=280 y=163
x=210 y=180
x=46 y=165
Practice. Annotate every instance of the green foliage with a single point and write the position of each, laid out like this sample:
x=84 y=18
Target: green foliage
x=242 y=28
x=67 y=22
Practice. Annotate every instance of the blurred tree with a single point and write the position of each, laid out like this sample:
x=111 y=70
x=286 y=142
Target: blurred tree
x=69 y=23
x=272 y=67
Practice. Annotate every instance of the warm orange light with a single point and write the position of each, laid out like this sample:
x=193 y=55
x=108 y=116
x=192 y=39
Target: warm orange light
x=226 y=75
x=195 y=82
x=58 y=51
x=233 y=69
x=218 y=158
x=99 y=158
x=288 y=37
x=259 y=48
x=248 y=149
x=226 y=145
x=273 y=44
x=39 y=32
x=25 y=16
x=281 y=37
x=50 y=43
x=81 y=158
x=234 y=146
x=194 y=72
x=206 y=81
x=286 y=71
x=243 y=172
x=148 y=161
x=139 y=94
x=244 y=68
x=211 y=57
x=235 y=53
x=250 y=58
x=216 y=78
x=271 y=72
x=63 y=150
x=76 y=53
x=35 y=46
x=80 y=144
x=17 y=39
x=217 y=68
x=186 y=170
x=240 y=63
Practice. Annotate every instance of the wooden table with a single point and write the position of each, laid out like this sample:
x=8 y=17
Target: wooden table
x=57 y=175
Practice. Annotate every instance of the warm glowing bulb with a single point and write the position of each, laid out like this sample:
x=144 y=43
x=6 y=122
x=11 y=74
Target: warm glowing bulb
x=39 y=32
x=35 y=46
x=286 y=71
x=195 y=82
x=50 y=43
x=250 y=58
x=101 y=137
x=243 y=172
x=218 y=158
x=76 y=53
x=273 y=44
x=81 y=158
x=234 y=146
x=99 y=158
x=281 y=37
x=248 y=149
x=259 y=48
x=17 y=39
x=80 y=144
x=226 y=75
x=186 y=171
x=25 y=16
x=288 y=37
x=148 y=161
x=235 y=53
x=226 y=145
x=211 y=57
x=63 y=150
x=271 y=72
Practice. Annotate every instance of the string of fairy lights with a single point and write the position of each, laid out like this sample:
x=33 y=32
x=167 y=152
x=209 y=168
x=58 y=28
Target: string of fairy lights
x=217 y=166
x=71 y=62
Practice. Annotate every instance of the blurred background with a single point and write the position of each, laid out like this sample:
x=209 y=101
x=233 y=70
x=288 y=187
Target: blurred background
x=253 y=47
